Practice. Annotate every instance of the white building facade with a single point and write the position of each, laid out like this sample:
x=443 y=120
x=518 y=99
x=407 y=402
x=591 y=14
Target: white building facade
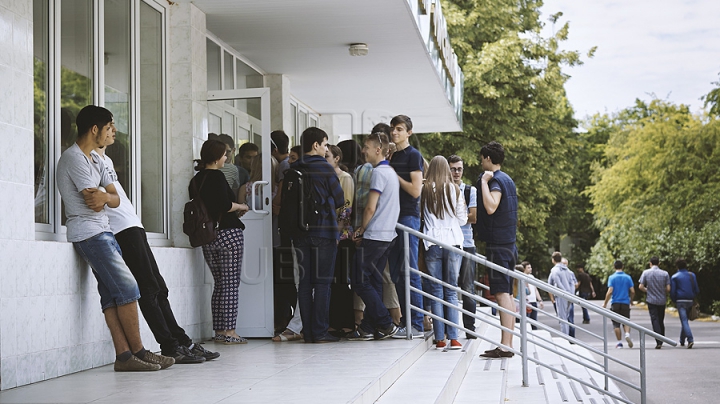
x=171 y=72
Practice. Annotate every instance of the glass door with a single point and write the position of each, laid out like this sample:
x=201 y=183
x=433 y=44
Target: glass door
x=244 y=115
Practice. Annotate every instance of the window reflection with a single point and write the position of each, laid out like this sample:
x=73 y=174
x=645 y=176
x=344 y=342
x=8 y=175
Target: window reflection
x=40 y=110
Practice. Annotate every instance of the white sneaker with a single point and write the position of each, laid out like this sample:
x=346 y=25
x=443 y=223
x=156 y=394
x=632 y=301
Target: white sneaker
x=629 y=340
x=402 y=333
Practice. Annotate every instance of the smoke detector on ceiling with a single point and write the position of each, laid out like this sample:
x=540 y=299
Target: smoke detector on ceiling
x=358 y=49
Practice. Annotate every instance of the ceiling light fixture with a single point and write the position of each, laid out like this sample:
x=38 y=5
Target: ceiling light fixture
x=358 y=49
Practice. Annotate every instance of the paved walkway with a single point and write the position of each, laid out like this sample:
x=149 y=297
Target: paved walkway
x=675 y=374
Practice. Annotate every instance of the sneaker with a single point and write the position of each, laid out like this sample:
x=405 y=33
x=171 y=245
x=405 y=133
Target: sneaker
x=361 y=335
x=619 y=345
x=682 y=343
x=586 y=321
x=440 y=345
x=184 y=356
x=134 y=364
x=690 y=345
x=402 y=333
x=629 y=340
x=198 y=350
x=230 y=340
x=327 y=338
x=470 y=336
x=164 y=361
x=387 y=332
x=455 y=344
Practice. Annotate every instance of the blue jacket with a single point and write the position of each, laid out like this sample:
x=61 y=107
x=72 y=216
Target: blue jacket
x=683 y=286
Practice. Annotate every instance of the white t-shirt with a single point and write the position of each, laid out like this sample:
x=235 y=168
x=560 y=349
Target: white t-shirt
x=448 y=228
x=124 y=216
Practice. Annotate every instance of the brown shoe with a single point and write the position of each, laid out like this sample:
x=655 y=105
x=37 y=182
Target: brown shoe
x=164 y=361
x=497 y=353
x=134 y=364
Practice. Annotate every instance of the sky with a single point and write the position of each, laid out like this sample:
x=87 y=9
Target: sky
x=669 y=48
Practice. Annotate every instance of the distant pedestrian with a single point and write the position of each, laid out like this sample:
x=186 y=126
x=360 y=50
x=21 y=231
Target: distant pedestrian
x=620 y=288
x=562 y=277
x=656 y=283
x=585 y=290
x=534 y=298
x=683 y=289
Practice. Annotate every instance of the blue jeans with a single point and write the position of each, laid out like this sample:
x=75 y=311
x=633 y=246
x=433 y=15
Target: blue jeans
x=317 y=267
x=444 y=265
x=466 y=281
x=116 y=284
x=367 y=281
x=586 y=315
x=685 y=332
x=397 y=270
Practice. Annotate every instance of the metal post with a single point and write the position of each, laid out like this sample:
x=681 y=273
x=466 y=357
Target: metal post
x=643 y=385
x=408 y=321
x=523 y=330
x=605 y=350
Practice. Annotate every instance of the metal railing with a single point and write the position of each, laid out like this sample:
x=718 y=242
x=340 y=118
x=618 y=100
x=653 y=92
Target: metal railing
x=539 y=341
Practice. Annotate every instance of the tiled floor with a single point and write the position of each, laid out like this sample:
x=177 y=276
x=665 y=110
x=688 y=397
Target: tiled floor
x=260 y=372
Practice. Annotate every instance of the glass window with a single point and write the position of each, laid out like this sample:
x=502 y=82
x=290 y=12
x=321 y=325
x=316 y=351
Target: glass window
x=313 y=122
x=302 y=121
x=293 y=133
x=228 y=72
x=40 y=110
x=213 y=66
x=117 y=86
x=151 y=119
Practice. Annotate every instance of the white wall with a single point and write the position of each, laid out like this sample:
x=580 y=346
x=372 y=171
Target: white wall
x=50 y=318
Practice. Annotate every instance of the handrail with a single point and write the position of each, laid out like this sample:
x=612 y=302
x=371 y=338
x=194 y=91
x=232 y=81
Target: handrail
x=540 y=284
x=522 y=280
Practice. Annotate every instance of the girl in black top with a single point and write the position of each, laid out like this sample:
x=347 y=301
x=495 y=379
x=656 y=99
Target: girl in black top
x=224 y=254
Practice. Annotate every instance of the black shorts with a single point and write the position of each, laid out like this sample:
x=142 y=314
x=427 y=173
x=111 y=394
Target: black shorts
x=621 y=309
x=506 y=257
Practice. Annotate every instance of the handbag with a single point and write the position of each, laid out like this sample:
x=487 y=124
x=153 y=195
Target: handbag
x=694 y=311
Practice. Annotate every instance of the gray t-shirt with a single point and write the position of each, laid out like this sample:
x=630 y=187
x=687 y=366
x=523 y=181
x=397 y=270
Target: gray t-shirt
x=76 y=172
x=382 y=225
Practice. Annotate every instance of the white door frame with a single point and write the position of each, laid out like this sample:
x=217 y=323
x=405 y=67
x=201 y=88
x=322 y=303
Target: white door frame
x=255 y=297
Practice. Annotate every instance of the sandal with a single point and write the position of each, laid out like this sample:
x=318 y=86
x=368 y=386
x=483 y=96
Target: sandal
x=230 y=340
x=286 y=336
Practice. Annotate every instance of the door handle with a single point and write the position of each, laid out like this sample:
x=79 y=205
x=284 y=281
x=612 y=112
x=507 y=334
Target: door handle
x=253 y=193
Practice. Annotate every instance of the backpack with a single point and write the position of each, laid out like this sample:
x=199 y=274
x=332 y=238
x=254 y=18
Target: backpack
x=197 y=223
x=298 y=206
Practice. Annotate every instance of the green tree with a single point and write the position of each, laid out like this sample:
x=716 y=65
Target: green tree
x=655 y=192
x=514 y=94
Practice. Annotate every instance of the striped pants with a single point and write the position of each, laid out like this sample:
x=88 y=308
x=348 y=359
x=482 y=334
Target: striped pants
x=224 y=257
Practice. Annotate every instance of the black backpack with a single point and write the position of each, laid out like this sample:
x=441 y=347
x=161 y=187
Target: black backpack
x=197 y=223
x=298 y=206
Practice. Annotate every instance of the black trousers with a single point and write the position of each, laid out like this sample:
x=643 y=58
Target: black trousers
x=466 y=282
x=657 y=318
x=284 y=290
x=153 y=301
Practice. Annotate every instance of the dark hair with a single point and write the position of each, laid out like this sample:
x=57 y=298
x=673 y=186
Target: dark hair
x=352 y=154
x=680 y=263
x=456 y=159
x=382 y=127
x=297 y=150
x=310 y=136
x=655 y=261
x=580 y=266
x=212 y=136
x=226 y=139
x=557 y=256
x=495 y=151
x=337 y=152
x=247 y=147
x=92 y=115
x=520 y=267
x=404 y=119
x=281 y=141
x=525 y=263
x=618 y=264
x=212 y=150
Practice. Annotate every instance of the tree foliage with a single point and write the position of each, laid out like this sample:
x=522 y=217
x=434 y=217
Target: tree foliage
x=655 y=190
x=514 y=94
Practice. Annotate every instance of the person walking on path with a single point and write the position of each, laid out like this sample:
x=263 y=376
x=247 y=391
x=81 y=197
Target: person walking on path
x=656 y=283
x=562 y=277
x=585 y=290
x=620 y=288
x=683 y=289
